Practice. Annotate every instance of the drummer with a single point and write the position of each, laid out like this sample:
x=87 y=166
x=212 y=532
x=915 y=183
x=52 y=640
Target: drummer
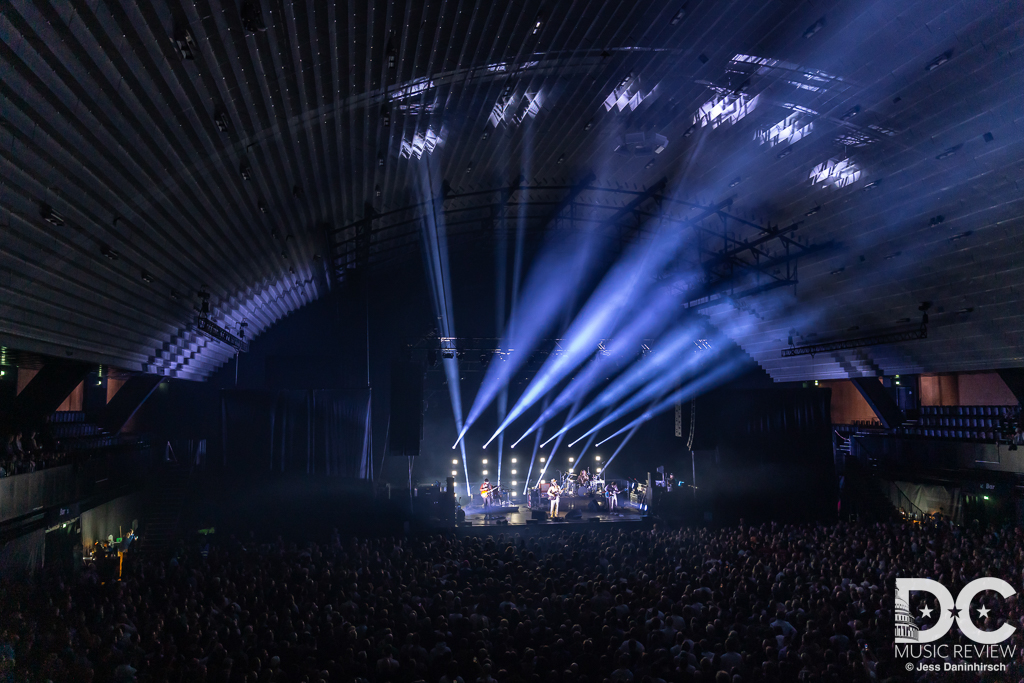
x=583 y=479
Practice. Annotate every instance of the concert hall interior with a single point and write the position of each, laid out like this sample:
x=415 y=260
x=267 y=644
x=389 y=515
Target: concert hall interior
x=511 y=341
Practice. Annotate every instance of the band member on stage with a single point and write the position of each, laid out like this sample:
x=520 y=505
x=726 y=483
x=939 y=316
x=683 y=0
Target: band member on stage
x=582 y=480
x=553 y=493
x=613 y=495
x=486 y=492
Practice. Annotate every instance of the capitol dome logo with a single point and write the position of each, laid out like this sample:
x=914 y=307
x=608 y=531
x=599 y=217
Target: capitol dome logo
x=906 y=629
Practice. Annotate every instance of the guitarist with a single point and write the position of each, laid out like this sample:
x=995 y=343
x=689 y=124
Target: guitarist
x=487 y=493
x=554 y=492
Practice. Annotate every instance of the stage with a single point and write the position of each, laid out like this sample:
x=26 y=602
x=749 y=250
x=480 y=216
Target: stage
x=571 y=510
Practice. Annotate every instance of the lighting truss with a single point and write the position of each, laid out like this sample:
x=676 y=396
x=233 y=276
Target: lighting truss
x=789 y=130
x=727 y=108
x=420 y=144
x=838 y=173
x=514 y=109
x=626 y=94
x=731 y=250
x=843 y=344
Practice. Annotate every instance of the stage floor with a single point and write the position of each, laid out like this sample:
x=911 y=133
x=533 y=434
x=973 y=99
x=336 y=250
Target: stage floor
x=521 y=515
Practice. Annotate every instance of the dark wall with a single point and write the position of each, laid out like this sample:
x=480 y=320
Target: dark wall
x=767 y=454
x=321 y=346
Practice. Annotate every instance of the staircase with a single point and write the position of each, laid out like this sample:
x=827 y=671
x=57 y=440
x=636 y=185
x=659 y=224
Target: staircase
x=856 y=363
x=863 y=496
x=166 y=497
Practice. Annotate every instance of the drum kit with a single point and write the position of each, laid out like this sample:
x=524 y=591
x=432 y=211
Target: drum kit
x=581 y=484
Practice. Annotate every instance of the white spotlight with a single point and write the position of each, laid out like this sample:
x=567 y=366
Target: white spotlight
x=485 y=471
x=455 y=473
x=455 y=462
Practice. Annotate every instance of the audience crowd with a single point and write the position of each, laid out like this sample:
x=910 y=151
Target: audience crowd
x=22 y=455
x=767 y=603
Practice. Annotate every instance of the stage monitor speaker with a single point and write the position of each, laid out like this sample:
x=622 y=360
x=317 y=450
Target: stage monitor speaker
x=538 y=514
x=574 y=514
x=406 y=408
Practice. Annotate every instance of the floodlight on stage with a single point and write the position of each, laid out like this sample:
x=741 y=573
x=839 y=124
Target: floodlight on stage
x=513 y=494
x=513 y=461
x=485 y=471
x=514 y=483
x=484 y=461
x=455 y=473
x=513 y=471
x=455 y=462
x=543 y=459
x=598 y=470
x=570 y=459
x=597 y=457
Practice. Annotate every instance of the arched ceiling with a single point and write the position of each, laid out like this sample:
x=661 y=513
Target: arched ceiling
x=256 y=149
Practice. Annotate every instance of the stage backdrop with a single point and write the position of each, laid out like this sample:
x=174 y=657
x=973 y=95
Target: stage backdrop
x=312 y=431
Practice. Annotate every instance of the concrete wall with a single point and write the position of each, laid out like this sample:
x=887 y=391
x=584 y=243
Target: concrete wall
x=22 y=557
x=966 y=389
x=985 y=389
x=847 y=402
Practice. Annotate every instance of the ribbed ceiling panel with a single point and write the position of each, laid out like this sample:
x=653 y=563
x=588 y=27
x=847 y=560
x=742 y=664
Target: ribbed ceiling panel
x=245 y=168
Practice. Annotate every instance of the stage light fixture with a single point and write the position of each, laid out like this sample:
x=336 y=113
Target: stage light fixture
x=513 y=471
x=485 y=472
x=813 y=211
x=514 y=494
x=540 y=22
x=674 y=21
x=598 y=470
x=514 y=483
x=484 y=461
x=570 y=459
x=455 y=462
x=50 y=216
x=543 y=459
x=939 y=61
x=814 y=28
x=513 y=461
x=597 y=457
x=455 y=473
